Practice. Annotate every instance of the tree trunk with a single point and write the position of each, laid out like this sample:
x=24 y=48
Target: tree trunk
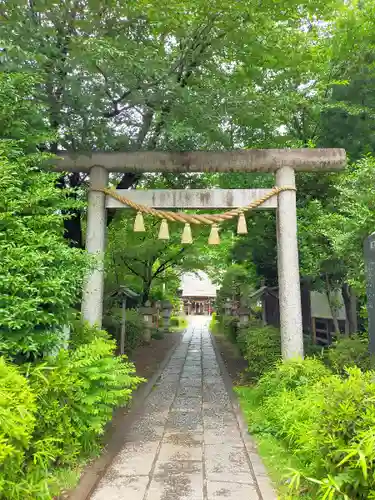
x=350 y=301
x=332 y=307
x=146 y=292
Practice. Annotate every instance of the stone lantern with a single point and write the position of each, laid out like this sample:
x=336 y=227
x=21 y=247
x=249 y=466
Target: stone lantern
x=148 y=314
x=166 y=311
x=228 y=307
x=244 y=316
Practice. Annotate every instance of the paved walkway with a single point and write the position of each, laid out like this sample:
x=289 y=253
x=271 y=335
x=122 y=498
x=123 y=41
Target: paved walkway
x=187 y=443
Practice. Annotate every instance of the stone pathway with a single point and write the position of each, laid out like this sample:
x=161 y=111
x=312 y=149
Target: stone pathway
x=186 y=443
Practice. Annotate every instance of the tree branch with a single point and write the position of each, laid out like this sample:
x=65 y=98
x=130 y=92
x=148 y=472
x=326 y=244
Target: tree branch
x=164 y=266
x=133 y=270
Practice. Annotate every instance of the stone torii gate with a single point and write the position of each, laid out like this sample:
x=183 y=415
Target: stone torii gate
x=284 y=162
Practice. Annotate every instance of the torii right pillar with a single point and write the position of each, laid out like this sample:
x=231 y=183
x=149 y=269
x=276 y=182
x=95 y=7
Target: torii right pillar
x=288 y=267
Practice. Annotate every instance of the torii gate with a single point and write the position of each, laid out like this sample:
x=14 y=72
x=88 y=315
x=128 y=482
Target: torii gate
x=284 y=162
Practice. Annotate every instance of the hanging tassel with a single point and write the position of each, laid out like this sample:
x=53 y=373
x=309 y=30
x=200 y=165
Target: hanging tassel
x=187 y=237
x=139 y=225
x=164 y=230
x=214 y=238
x=241 y=226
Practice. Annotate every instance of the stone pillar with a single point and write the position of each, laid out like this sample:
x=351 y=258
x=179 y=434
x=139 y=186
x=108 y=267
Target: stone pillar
x=288 y=267
x=92 y=301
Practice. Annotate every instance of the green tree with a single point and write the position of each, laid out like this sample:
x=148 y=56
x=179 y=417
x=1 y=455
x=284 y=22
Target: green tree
x=41 y=277
x=142 y=261
x=146 y=75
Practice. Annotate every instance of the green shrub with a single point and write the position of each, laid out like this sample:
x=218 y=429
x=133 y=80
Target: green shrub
x=134 y=327
x=53 y=413
x=17 y=420
x=325 y=419
x=342 y=445
x=230 y=327
x=349 y=352
x=76 y=392
x=214 y=323
x=41 y=275
x=292 y=375
x=83 y=333
x=178 y=322
x=261 y=347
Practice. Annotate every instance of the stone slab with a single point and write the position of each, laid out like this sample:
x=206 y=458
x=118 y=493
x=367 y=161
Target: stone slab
x=231 y=491
x=119 y=488
x=227 y=463
x=181 y=486
x=135 y=459
x=185 y=421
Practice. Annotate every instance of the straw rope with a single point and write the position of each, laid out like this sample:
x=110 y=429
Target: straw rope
x=196 y=218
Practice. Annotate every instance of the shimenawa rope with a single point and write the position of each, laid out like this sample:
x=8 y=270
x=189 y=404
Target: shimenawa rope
x=209 y=219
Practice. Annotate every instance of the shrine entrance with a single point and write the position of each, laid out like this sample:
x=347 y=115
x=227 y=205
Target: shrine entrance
x=283 y=162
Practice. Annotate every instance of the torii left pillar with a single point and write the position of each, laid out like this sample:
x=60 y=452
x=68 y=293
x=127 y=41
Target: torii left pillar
x=92 y=301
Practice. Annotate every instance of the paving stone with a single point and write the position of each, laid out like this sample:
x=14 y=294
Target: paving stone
x=191 y=381
x=266 y=489
x=135 y=459
x=174 y=458
x=119 y=488
x=185 y=421
x=257 y=464
x=216 y=416
x=142 y=430
x=194 y=373
x=217 y=397
x=189 y=391
x=228 y=434
x=227 y=463
x=223 y=405
x=183 y=486
x=231 y=491
x=183 y=403
x=195 y=370
x=184 y=439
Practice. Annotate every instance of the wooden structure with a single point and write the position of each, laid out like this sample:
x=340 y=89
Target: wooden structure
x=197 y=293
x=317 y=319
x=283 y=162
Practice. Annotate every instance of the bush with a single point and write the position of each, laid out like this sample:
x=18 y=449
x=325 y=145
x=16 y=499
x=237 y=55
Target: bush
x=134 y=327
x=230 y=328
x=214 y=323
x=325 y=419
x=17 y=420
x=261 y=347
x=42 y=276
x=293 y=375
x=349 y=352
x=53 y=413
x=178 y=322
x=83 y=333
x=76 y=393
x=342 y=448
